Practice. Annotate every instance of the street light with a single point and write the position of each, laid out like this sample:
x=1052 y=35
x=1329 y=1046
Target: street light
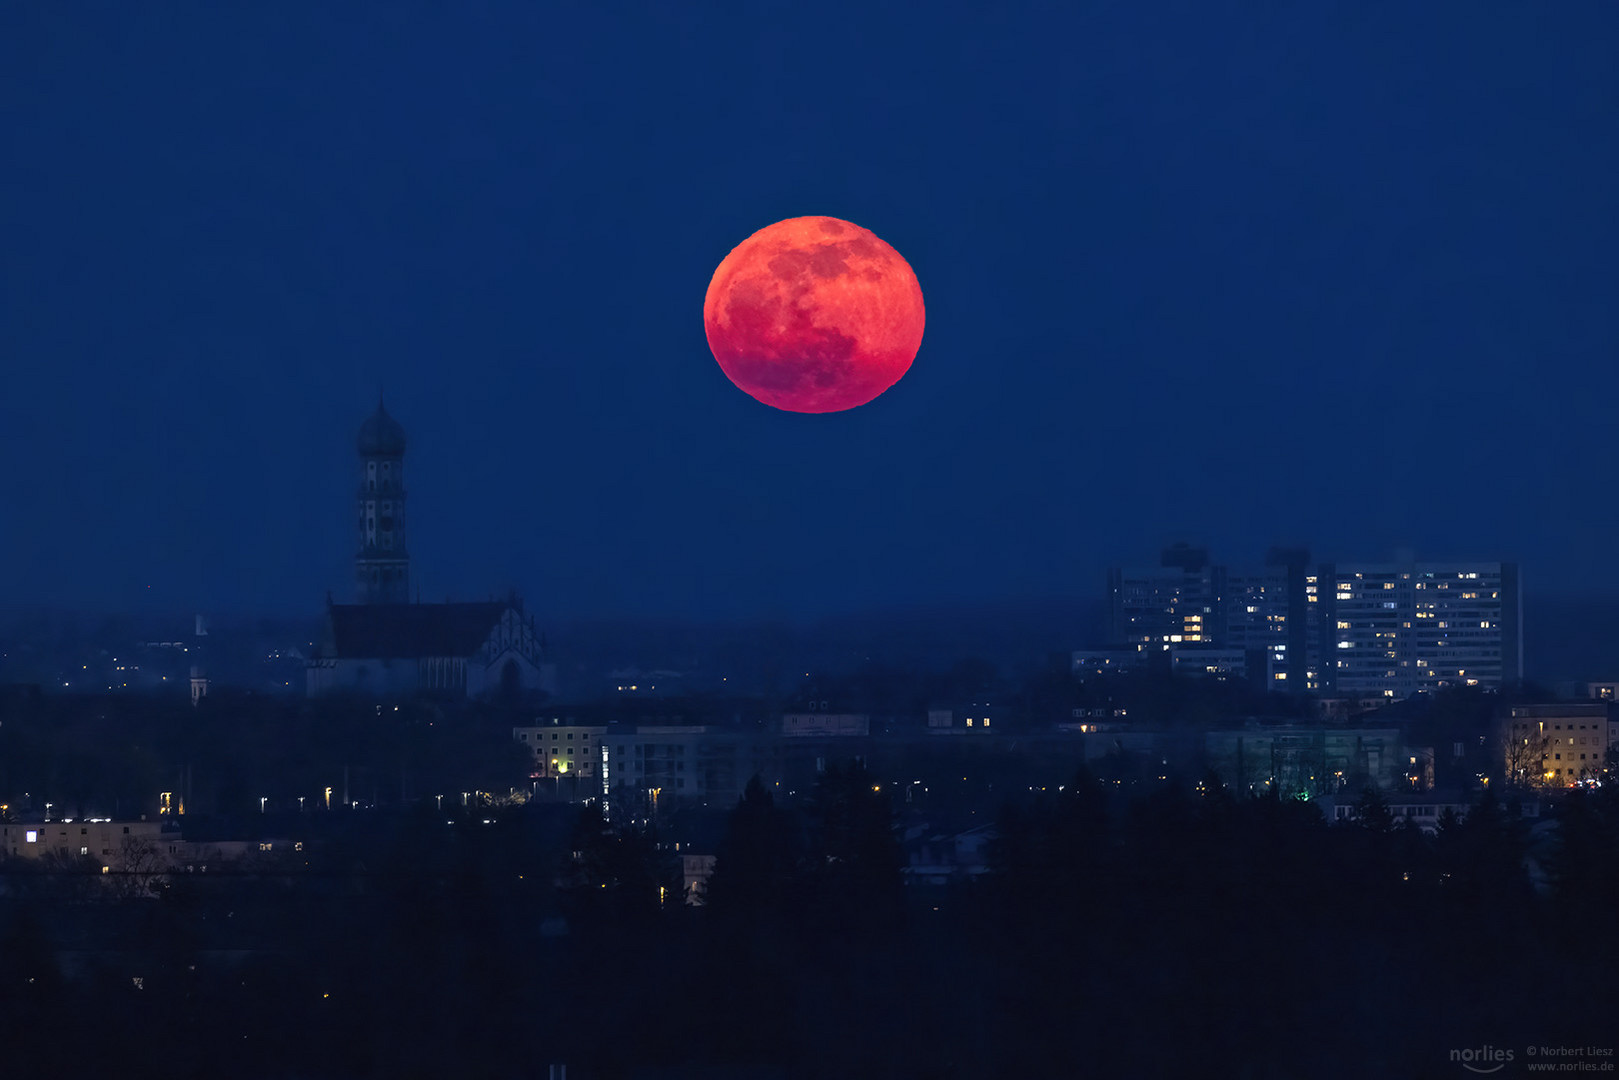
x=262 y=800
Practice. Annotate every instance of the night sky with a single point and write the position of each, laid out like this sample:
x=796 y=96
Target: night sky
x=1342 y=276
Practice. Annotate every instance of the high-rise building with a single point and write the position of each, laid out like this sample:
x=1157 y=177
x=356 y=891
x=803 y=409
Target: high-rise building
x=1266 y=611
x=382 y=565
x=1187 y=603
x=1174 y=603
x=1368 y=629
x=1398 y=628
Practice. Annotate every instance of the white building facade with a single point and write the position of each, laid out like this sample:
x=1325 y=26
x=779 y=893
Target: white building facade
x=1395 y=629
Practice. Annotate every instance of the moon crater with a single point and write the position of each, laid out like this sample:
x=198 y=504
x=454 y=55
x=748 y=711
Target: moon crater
x=814 y=315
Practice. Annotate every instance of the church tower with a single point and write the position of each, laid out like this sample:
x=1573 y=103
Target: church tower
x=382 y=567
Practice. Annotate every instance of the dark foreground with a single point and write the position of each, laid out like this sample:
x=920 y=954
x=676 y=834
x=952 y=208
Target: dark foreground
x=1173 y=933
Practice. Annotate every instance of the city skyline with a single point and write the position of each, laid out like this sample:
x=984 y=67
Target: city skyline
x=1280 y=289
x=478 y=598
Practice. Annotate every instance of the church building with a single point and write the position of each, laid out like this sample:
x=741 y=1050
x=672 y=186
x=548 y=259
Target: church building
x=384 y=645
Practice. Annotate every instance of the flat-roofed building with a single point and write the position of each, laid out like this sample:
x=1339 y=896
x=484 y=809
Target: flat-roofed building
x=1297 y=759
x=1399 y=628
x=1176 y=602
x=1556 y=745
x=562 y=748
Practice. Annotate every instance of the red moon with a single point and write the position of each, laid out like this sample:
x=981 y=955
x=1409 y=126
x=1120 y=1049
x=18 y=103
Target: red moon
x=814 y=315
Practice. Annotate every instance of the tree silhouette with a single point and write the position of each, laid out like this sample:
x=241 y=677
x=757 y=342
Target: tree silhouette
x=1372 y=812
x=757 y=870
x=854 y=871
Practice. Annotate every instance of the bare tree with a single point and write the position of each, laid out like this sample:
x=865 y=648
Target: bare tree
x=139 y=866
x=1525 y=754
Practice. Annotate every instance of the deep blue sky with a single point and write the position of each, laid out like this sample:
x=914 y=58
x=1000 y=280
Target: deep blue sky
x=1343 y=276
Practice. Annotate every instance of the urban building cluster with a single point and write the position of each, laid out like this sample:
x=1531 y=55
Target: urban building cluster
x=140 y=849
x=1351 y=646
x=1384 y=630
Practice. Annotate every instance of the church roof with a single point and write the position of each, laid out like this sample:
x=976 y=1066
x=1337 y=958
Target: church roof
x=381 y=435
x=411 y=631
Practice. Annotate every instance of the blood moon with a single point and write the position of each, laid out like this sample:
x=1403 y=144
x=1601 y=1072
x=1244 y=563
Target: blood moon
x=814 y=315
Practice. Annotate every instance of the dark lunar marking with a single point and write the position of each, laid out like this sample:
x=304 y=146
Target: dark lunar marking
x=751 y=309
x=872 y=275
x=769 y=373
x=833 y=347
x=831 y=228
x=861 y=247
x=822 y=361
x=790 y=265
x=828 y=262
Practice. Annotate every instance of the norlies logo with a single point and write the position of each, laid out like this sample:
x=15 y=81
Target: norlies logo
x=1486 y=1059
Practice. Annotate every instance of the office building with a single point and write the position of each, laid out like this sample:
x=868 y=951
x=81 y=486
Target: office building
x=1356 y=630
x=1187 y=603
x=1266 y=611
x=1176 y=602
x=1400 y=628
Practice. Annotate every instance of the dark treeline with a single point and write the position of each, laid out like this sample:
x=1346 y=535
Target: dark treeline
x=111 y=755
x=1177 y=931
